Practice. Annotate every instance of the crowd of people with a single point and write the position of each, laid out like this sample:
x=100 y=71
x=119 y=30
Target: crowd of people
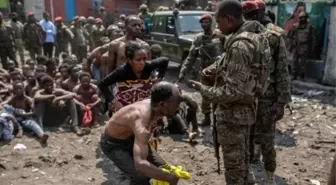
x=87 y=70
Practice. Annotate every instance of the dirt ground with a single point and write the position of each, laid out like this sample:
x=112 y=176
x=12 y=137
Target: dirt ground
x=305 y=147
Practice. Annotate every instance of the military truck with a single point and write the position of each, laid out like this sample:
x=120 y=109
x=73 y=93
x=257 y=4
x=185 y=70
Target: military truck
x=174 y=31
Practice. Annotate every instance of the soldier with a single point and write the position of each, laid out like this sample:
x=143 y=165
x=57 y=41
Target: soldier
x=89 y=27
x=209 y=7
x=302 y=41
x=145 y=16
x=33 y=35
x=271 y=104
x=7 y=43
x=17 y=27
x=240 y=78
x=64 y=36
x=207 y=46
x=83 y=21
x=122 y=17
x=106 y=17
x=79 y=42
x=98 y=32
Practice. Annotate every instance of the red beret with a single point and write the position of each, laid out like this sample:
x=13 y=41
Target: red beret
x=59 y=18
x=206 y=16
x=30 y=14
x=249 y=6
x=99 y=20
x=260 y=4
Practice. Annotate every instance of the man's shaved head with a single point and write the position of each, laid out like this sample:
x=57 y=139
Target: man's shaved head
x=130 y=18
x=163 y=92
x=133 y=25
x=230 y=7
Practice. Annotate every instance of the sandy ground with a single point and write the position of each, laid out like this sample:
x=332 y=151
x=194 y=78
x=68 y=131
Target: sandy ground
x=305 y=146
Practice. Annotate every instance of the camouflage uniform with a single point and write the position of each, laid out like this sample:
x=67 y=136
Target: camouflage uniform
x=276 y=97
x=33 y=36
x=64 y=36
x=208 y=48
x=7 y=44
x=235 y=73
x=89 y=27
x=79 y=43
x=18 y=32
x=302 y=40
x=97 y=34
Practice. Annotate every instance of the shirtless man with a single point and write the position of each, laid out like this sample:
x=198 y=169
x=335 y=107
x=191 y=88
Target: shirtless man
x=22 y=108
x=127 y=133
x=31 y=63
x=116 y=48
x=51 y=66
x=11 y=66
x=15 y=76
x=56 y=100
x=70 y=83
x=88 y=95
x=31 y=84
x=64 y=74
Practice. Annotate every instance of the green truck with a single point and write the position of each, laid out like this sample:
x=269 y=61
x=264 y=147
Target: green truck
x=174 y=31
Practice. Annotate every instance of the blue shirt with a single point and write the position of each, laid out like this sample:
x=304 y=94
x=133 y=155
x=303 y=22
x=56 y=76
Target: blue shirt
x=50 y=30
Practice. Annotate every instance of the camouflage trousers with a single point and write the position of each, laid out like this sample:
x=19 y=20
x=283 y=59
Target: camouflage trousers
x=80 y=51
x=206 y=103
x=34 y=51
x=234 y=139
x=5 y=53
x=300 y=62
x=61 y=48
x=20 y=49
x=265 y=133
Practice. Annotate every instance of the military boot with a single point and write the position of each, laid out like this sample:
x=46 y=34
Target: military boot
x=270 y=178
x=251 y=178
x=207 y=120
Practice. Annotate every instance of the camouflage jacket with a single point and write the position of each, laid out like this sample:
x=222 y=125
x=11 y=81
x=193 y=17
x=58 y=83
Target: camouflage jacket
x=208 y=48
x=89 y=29
x=7 y=39
x=33 y=34
x=81 y=36
x=63 y=35
x=233 y=73
x=302 y=39
x=279 y=88
x=98 y=33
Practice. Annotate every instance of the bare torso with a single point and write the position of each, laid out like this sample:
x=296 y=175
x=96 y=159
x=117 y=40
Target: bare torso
x=123 y=123
x=69 y=84
x=86 y=93
x=23 y=103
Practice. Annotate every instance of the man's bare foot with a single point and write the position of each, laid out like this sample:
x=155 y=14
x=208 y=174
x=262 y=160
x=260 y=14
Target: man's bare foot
x=19 y=134
x=44 y=138
x=192 y=136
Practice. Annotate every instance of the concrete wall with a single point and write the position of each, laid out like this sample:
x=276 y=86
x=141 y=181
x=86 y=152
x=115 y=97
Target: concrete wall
x=329 y=77
x=36 y=6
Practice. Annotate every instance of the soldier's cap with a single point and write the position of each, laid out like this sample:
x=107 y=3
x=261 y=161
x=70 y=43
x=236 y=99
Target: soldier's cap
x=261 y=4
x=99 y=20
x=249 y=6
x=303 y=14
x=82 y=18
x=90 y=18
x=30 y=14
x=206 y=16
x=59 y=18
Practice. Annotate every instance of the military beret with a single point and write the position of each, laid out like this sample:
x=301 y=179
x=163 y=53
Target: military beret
x=99 y=20
x=90 y=18
x=249 y=6
x=260 y=4
x=30 y=14
x=206 y=16
x=59 y=18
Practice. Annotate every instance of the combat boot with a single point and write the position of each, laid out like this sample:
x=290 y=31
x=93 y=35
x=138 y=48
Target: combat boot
x=270 y=178
x=207 y=120
x=251 y=178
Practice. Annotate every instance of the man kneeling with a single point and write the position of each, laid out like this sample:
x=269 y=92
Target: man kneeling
x=126 y=137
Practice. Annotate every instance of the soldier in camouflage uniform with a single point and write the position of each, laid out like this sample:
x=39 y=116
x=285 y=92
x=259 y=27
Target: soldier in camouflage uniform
x=237 y=87
x=98 y=32
x=17 y=27
x=89 y=27
x=64 y=36
x=209 y=7
x=79 y=43
x=208 y=47
x=33 y=36
x=271 y=104
x=7 y=43
x=302 y=42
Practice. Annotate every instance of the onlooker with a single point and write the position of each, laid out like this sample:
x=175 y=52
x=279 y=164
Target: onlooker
x=49 y=27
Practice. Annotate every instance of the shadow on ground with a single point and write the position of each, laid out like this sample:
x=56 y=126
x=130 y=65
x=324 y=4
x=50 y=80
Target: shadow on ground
x=111 y=173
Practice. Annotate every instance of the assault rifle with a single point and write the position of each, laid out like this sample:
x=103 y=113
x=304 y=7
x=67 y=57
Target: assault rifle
x=215 y=142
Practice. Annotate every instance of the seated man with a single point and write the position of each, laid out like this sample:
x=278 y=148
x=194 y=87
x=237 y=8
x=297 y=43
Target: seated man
x=30 y=84
x=127 y=133
x=22 y=108
x=56 y=100
x=70 y=83
x=31 y=63
x=63 y=71
x=87 y=95
x=11 y=66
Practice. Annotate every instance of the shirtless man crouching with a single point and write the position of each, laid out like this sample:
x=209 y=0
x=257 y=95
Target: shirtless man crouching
x=126 y=137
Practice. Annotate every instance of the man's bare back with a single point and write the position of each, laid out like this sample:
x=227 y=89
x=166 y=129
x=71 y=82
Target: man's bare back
x=130 y=119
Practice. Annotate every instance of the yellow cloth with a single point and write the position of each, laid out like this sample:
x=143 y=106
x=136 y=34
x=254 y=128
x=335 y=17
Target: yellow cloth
x=178 y=170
